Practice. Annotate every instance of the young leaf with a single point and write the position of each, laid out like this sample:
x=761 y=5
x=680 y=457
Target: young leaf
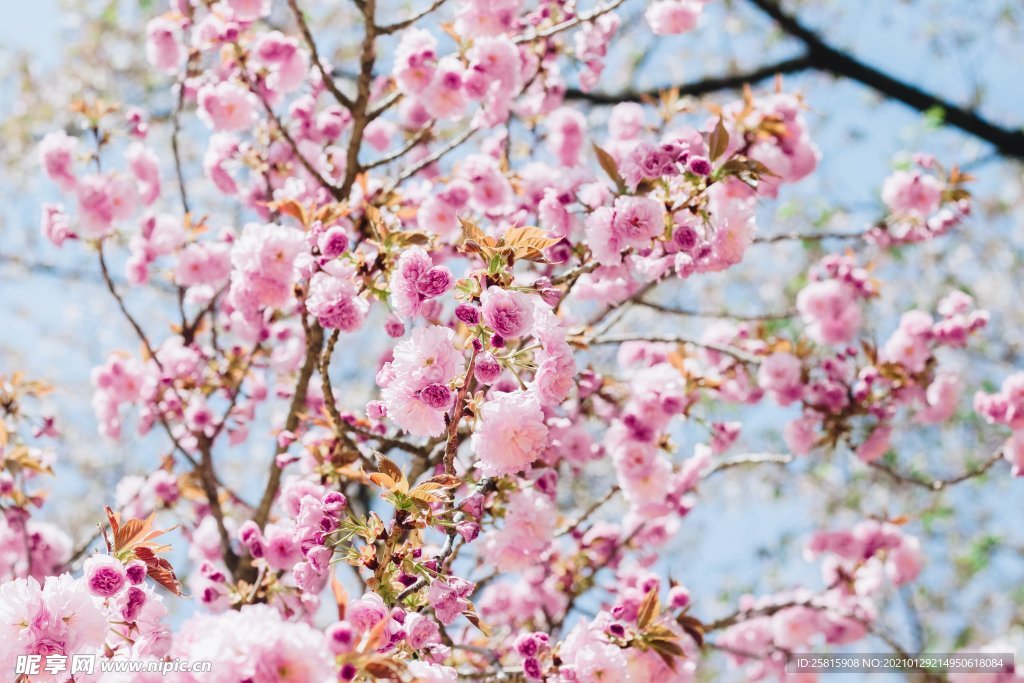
x=718 y=140
x=384 y=481
x=649 y=609
x=340 y=596
x=448 y=481
x=382 y=669
x=427 y=492
x=609 y=166
x=693 y=627
x=290 y=207
x=391 y=472
x=474 y=618
x=420 y=494
x=159 y=569
x=528 y=243
x=471 y=231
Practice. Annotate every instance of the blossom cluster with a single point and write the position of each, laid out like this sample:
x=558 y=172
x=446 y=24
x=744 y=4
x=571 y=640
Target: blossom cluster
x=1006 y=407
x=477 y=288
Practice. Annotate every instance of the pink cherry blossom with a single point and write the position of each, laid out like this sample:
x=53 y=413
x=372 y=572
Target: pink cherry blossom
x=512 y=433
x=336 y=303
x=508 y=313
x=448 y=598
x=58 y=617
x=829 y=309
x=667 y=17
x=227 y=106
x=104 y=575
x=912 y=192
x=57 y=156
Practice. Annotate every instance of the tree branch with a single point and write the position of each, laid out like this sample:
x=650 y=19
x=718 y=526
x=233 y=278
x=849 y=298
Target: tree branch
x=418 y=137
x=427 y=160
x=452 y=444
x=279 y=124
x=748 y=317
x=399 y=25
x=570 y=23
x=314 y=341
x=360 y=108
x=808 y=237
x=700 y=87
x=326 y=77
x=748 y=459
x=824 y=57
x=738 y=354
x=938 y=484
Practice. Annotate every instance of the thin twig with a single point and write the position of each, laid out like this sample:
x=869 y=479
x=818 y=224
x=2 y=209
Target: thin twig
x=748 y=317
x=308 y=165
x=594 y=507
x=428 y=160
x=569 y=23
x=748 y=459
x=732 y=351
x=416 y=139
x=405 y=23
x=452 y=444
x=124 y=308
x=808 y=237
x=328 y=79
x=938 y=484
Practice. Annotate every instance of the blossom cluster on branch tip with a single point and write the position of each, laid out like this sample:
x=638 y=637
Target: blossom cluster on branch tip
x=395 y=226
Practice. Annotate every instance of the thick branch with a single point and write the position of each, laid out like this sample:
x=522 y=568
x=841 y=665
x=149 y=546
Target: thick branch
x=209 y=482
x=314 y=340
x=452 y=444
x=360 y=108
x=827 y=58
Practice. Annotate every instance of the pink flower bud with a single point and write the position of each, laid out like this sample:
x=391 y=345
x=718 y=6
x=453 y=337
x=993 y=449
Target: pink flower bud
x=487 y=369
x=435 y=282
x=135 y=572
x=104 y=575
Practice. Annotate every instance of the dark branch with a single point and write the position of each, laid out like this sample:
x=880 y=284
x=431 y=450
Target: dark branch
x=824 y=57
x=704 y=86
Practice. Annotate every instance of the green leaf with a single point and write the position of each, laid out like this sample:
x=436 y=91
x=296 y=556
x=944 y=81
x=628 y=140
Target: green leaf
x=934 y=117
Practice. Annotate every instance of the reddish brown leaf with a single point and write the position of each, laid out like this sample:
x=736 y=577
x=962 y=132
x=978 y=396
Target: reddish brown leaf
x=649 y=609
x=718 y=140
x=159 y=570
x=609 y=166
x=340 y=596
